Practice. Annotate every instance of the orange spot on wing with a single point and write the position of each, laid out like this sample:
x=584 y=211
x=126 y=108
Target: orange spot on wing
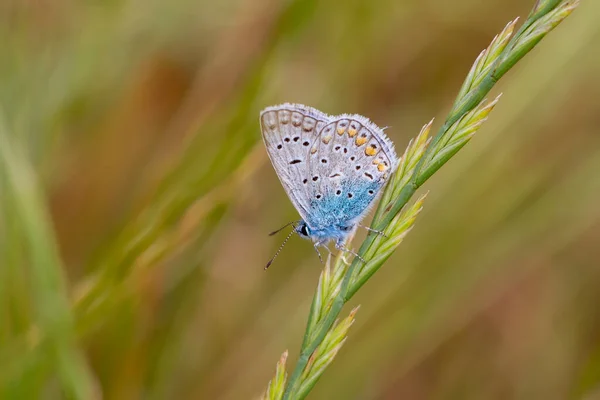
x=360 y=140
x=370 y=150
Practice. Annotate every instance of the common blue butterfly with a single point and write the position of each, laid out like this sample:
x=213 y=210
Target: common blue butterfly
x=331 y=167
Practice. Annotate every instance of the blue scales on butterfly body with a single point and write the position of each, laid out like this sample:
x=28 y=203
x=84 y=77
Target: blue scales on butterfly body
x=337 y=213
x=331 y=167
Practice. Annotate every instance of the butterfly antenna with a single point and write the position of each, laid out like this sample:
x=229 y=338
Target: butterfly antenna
x=280 y=247
x=282 y=228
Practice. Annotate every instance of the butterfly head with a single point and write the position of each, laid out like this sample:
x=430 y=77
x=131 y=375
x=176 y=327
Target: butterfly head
x=324 y=234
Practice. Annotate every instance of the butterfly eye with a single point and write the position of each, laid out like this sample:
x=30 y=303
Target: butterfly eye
x=304 y=230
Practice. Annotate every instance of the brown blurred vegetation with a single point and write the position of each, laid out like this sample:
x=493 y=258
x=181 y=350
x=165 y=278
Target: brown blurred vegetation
x=140 y=119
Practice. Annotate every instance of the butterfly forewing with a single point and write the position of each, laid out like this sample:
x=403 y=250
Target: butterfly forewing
x=289 y=132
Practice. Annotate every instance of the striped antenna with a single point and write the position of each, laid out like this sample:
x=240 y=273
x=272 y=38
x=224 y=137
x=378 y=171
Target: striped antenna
x=282 y=244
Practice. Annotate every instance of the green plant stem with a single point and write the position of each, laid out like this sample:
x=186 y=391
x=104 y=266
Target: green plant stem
x=307 y=331
x=323 y=327
x=505 y=61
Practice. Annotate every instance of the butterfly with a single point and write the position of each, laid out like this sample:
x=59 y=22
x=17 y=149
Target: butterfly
x=331 y=167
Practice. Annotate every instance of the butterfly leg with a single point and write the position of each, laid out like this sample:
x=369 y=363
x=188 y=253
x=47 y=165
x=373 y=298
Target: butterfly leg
x=316 y=246
x=340 y=246
x=373 y=230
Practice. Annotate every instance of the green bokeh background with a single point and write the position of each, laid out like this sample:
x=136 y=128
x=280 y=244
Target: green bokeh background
x=136 y=198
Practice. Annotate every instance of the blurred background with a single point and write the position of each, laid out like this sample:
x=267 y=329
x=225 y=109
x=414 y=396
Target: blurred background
x=137 y=197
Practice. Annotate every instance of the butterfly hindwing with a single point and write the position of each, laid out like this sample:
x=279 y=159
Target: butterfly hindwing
x=349 y=163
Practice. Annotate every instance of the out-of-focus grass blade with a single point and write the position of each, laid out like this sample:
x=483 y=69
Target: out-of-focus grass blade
x=23 y=201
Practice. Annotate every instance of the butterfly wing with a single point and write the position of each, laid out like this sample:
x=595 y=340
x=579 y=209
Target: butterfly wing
x=289 y=132
x=348 y=165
